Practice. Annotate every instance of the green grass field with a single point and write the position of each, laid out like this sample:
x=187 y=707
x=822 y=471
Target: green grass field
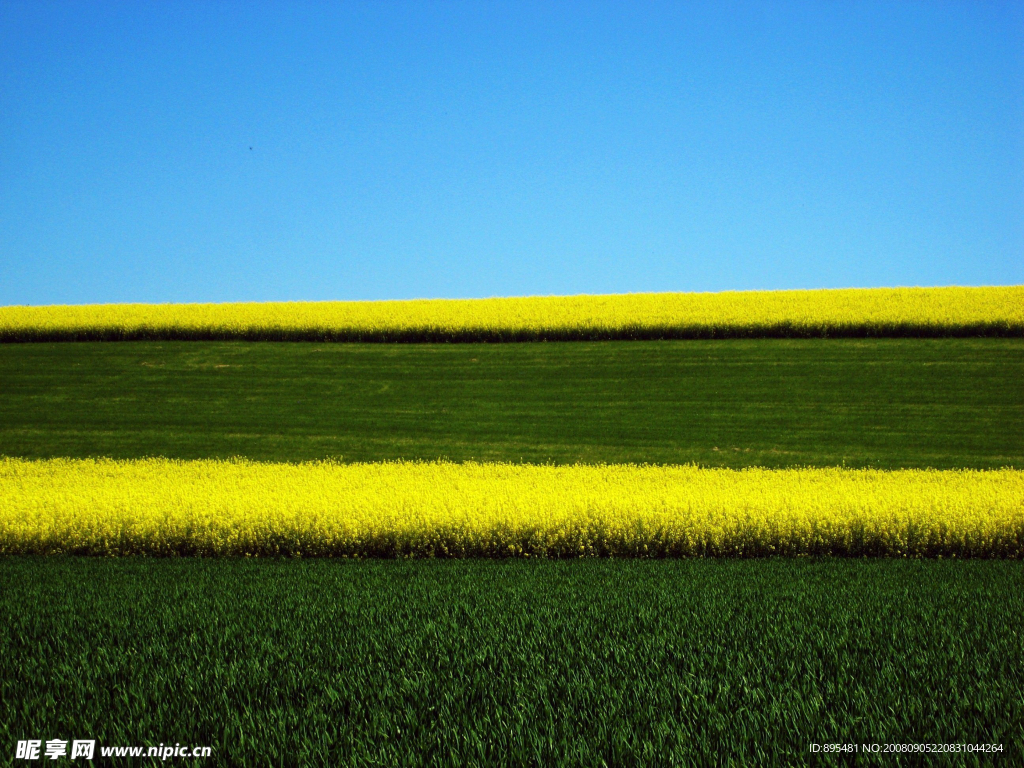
x=885 y=403
x=606 y=662
x=700 y=662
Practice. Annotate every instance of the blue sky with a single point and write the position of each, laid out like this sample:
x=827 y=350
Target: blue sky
x=255 y=151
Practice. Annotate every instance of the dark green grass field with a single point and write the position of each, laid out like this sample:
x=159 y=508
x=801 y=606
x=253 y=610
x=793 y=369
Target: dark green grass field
x=884 y=402
x=598 y=662
x=699 y=662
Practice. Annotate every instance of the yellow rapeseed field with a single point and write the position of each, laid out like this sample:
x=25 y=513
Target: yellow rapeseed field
x=852 y=312
x=166 y=507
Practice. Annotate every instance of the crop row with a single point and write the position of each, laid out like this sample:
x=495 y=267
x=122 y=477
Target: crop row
x=412 y=509
x=992 y=311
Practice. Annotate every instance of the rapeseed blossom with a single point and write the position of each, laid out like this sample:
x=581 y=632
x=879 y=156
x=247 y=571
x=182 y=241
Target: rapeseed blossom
x=850 y=312
x=441 y=509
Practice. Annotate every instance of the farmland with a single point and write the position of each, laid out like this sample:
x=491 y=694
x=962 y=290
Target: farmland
x=884 y=403
x=401 y=509
x=482 y=662
x=909 y=448
x=915 y=312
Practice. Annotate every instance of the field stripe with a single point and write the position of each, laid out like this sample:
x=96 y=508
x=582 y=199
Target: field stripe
x=878 y=312
x=399 y=509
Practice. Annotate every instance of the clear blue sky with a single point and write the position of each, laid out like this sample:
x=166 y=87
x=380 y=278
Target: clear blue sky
x=222 y=151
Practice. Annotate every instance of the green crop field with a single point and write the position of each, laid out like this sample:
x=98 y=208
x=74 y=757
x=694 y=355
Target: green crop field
x=525 y=662
x=587 y=662
x=885 y=403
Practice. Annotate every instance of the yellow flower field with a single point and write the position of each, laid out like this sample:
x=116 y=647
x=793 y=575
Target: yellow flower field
x=851 y=312
x=165 y=507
